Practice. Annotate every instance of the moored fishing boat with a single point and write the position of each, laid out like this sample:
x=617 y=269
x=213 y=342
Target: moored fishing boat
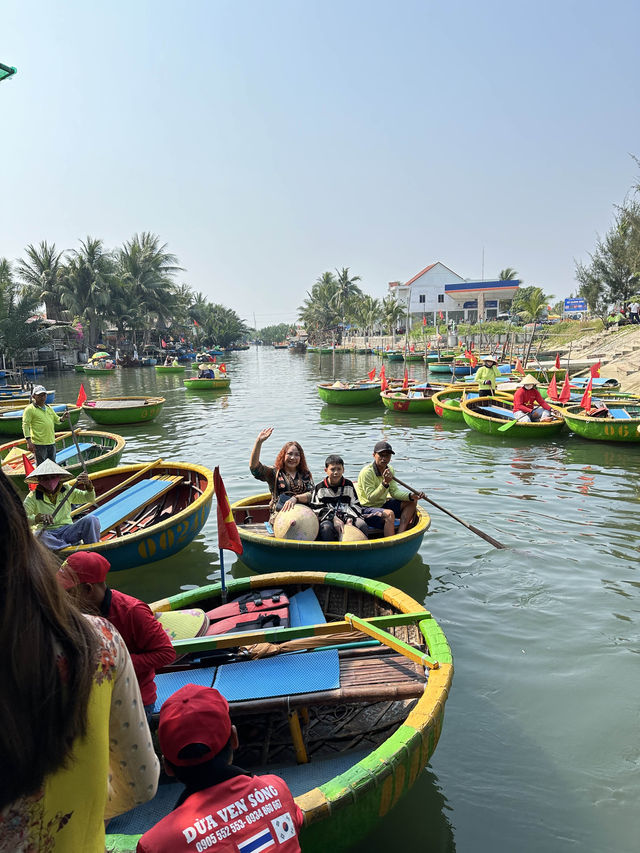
x=391 y=699
x=415 y=400
x=11 y=417
x=147 y=512
x=17 y=396
x=170 y=368
x=99 y=450
x=195 y=384
x=449 y=368
x=622 y=422
x=123 y=410
x=263 y=552
x=349 y=394
x=490 y=415
x=446 y=403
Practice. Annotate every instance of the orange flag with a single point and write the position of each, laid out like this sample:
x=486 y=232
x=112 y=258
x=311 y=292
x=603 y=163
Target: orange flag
x=565 y=393
x=372 y=374
x=595 y=370
x=552 y=391
x=519 y=368
x=228 y=537
x=28 y=468
x=405 y=381
x=586 y=397
x=383 y=379
x=557 y=364
x=82 y=395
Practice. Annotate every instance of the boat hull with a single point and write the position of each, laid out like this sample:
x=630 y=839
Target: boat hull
x=397 y=402
x=474 y=418
x=207 y=384
x=602 y=429
x=98 y=371
x=363 y=396
x=126 y=414
x=160 y=368
x=371 y=558
x=12 y=424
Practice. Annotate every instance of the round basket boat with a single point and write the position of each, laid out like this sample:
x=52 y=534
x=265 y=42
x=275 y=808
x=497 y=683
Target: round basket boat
x=123 y=410
x=11 y=417
x=489 y=414
x=194 y=384
x=621 y=424
x=177 y=368
x=91 y=370
x=99 y=450
x=414 y=401
x=350 y=395
x=372 y=558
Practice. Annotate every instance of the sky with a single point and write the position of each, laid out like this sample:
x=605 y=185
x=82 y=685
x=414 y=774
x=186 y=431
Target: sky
x=266 y=141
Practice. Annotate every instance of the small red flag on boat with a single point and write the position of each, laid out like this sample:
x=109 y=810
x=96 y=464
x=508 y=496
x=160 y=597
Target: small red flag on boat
x=519 y=368
x=383 y=379
x=372 y=374
x=424 y=320
x=222 y=367
x=412 y=348
x=557 y=364
x=405 y=381
x=195 y=323
x=595 y=370
x=28 y=468
x=473 y=360
x=552 y=391
x=215 y=358
x=565 y=393
x=163 y=343
x=429 y=345
x=82 y=395
x=441 y=315
x=228 y=537
x=585 y=403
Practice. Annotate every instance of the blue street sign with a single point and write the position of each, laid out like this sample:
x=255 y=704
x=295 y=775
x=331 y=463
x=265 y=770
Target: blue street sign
x=575 y=304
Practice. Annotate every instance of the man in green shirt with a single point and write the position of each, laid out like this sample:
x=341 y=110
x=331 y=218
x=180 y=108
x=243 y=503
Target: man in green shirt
x=39 y=423
x=487 y=375
x=377 y=488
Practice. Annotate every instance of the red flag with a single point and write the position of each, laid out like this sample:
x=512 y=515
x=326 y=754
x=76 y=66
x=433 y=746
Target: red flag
x=181 y=340
x=383 y=379
x=82 y=395
x=552 y=390
x=473 y=345
x=519 y=368
x=473 y=360
x=28 y=468
x=412 y=348
x=557 y=365
x=163 y=343
x=441 y=315
x=195 y=323
x=429 y=345
x=565 y=393
x=585 y=403
x=405 y=381
x=222 y=367
x=424 y=320
x=467 y=354
x=228 y=537
x=595 y=370
x=372 y=374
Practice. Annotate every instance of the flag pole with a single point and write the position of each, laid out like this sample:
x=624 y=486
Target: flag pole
x=223 y=580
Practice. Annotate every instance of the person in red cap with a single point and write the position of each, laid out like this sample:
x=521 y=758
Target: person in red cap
x=150 y=648
x=222 y=806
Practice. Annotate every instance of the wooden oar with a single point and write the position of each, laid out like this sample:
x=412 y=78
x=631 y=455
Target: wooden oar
x=125 y=484
x=75 y=441
x=506 y=427
x=466 y=524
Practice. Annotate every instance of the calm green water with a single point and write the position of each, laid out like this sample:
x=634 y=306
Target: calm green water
x=540 y=747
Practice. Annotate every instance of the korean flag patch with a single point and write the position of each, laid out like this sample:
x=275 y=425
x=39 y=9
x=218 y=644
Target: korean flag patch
x=284 y=827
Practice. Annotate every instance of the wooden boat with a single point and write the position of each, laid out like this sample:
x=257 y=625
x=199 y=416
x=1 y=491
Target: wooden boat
x=98 y=370
x=622 y=424
x=394 y=355
x=11 y=417
x=391 y=699
x=16 y=396
x=452 y=368
x=284 y=345
x=352 y=394
x=488 y=414
x=415 y=400
x=446 y=403
x=172 y=368
x=123 y=410
x=79 y=368
x=32 y=371
x=147 y=512
x=148 y=361
x=443 y=357
x=99 y=450
x=194 y=384
x=263 y=552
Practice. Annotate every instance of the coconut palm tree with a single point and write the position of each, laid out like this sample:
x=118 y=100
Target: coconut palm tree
x=347 y=291
x=318 y=311
x=40 y=272
x=145 y=266
x=532 y=306
x=86 y=285
x=392 y=312
x=508 y=274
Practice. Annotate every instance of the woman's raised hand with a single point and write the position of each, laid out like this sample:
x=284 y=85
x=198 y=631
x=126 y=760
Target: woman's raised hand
x=264 y=434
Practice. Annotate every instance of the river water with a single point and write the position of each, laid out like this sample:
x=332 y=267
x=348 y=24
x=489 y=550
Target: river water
x=540 y=746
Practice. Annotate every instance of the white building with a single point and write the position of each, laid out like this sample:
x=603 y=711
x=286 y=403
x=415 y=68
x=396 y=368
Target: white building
x=437 y=289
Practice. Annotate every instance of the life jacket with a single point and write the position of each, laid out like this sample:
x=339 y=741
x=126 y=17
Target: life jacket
x=255 y=621
x=257 y=609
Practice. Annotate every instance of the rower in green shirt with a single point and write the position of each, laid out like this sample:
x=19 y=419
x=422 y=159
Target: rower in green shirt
x=39 y=423
x=377 y=488
x=486 y=376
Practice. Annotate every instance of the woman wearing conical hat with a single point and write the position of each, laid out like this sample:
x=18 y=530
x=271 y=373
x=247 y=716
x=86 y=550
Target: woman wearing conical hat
x=528 y=404
x=49 y=507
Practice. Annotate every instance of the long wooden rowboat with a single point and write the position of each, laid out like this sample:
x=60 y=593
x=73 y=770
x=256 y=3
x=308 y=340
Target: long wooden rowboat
x=11 y=417
x=488 y=414
x=123 y=410
x=177 y=368
x=194 y=384
x=263 y=552
x=622 y=424
x=353 y=394
x=416 y=400
x=99 y=450
x=390 y=696
x=147 y=512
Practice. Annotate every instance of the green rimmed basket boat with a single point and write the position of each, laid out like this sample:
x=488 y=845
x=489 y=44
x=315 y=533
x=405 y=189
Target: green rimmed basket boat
x=195 y=384
x=90 y=370
x=123 y=410
x=375 y=557
x=100 y=450
x=79 y=368
x=353 y=394
x=483 y=415
x=446 y=403
x=394 y=706
x=173 y=368
x=11 y=417
x=622 y=425
x=416 y=400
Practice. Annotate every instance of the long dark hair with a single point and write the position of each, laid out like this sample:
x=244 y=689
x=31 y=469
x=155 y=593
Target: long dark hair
x=303 y=468
x=43 y=698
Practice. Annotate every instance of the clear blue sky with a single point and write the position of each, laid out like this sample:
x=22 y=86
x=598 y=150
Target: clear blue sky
x=267 y=142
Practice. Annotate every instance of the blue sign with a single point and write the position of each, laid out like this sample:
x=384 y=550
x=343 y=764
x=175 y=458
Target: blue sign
x=575 y=304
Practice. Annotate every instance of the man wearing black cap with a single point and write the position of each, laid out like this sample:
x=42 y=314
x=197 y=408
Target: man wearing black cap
x=376 y=487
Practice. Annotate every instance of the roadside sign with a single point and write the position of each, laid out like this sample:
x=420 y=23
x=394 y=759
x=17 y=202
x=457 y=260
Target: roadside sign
x=575 y=304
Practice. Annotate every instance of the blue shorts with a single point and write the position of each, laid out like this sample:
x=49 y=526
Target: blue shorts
x=373 y=514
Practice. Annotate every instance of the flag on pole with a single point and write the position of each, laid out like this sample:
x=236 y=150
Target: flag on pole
x=552 y=390
x=519 y=368
x=163 y=343
x=473 y=345
x=441 y=315
x=28 y=468
x=565 y=392
x=557 y=365
x=412 y=348
x=383 y=379
x=228 y=537
x=195 y=323
x=473 y=360
x=595 y=370
x=222 y=367
x=372 y=374
x=424 y=320
x=405 y=381
x=82 y=395
x=585 y=403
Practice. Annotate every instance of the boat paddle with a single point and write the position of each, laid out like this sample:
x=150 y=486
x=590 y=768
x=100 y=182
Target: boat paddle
x=506 y=427
x=466 y=524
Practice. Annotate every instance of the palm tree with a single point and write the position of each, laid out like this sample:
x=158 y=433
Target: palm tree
x=40 y=273
x=531 y=307
x=144 y=266
x=392 y=312
x=367 y=312
x=86 y=284
x=508 y=274
x=346 y=292
x=318 y=311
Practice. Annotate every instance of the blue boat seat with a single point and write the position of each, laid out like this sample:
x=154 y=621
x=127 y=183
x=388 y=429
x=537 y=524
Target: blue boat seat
x=120 y=507
x=281 y=675
x=620 y=414
x=496 y=410
x=304 y=609
x=67 y=453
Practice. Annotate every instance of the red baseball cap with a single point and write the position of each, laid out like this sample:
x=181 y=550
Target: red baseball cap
x=83 y=567
x=193 y=715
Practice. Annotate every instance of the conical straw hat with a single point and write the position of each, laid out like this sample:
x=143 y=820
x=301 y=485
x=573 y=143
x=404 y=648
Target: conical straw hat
x=529 y=380
x=48 y=469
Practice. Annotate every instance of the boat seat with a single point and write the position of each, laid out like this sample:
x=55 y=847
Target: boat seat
x=620 y=414
x=69 y=452
x=304 y=609
x=119 y=508
x=497 y=411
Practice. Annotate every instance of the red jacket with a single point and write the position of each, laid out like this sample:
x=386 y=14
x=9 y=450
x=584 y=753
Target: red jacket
x=149 y=646
x=243 y=813
x=526 y=401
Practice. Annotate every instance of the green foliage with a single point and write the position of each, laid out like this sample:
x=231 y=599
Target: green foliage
x=274 y=334
x=86 y=286
x=40 y=274
x=221 y=326
x=530 y=303
x=392 y=313
x=508 y=274
x=16 y=306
